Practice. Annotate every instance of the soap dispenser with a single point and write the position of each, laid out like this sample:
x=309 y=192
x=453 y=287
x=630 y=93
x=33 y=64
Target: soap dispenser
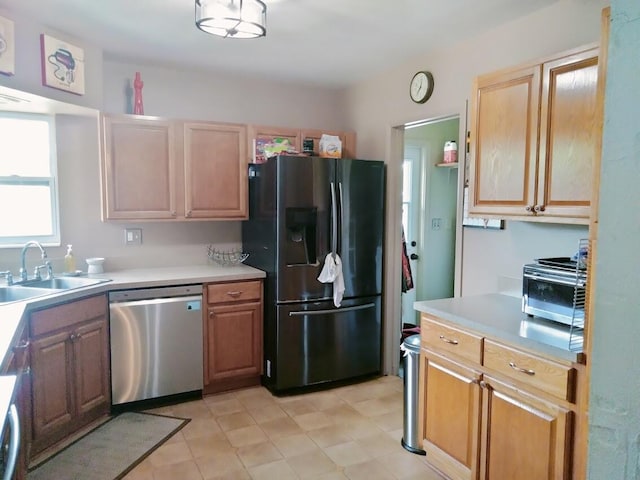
x=69 y=261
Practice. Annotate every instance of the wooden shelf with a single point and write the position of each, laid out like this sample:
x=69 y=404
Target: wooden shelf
x=448 y=165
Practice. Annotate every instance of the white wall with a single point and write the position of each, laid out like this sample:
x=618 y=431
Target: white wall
x=28 y=73
x=614 y=417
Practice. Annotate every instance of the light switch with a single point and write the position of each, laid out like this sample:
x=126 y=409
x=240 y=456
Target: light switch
x=133 y=236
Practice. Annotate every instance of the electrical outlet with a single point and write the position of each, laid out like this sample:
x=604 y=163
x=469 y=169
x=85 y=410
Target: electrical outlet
x=436 y=223
x=133 y=236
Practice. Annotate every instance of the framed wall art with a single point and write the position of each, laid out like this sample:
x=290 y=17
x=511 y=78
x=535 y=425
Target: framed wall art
x=478 y=222
x=7 y=47
x=62 y=65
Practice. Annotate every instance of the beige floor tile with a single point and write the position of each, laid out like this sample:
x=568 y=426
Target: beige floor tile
x=225 y=407
x=313 y=421
x=345 y=454
x=367 y=471
x=215 y=466
x=312 y=464
x=280 y=427
x=344 y=413
x=184 y=471
x=170 y=453
x=199 y=427
x=246 y=436
x=259 y=454
x=298 y=407
x=428 y=474
x=324 y=400
x=271 y=471
x=142 y=471
x=378 y=445
x=255 y=398
x=328 y=436
x=178 y=436
x=293 y=445
x=362 y=428
x=396 y=434
x=332 y=476
x=374 y=407
x=195 y=409
x=403 y=464
x=389 y=421
x=219 y=397
x=266 y=413
x=235 y=421
x=210 y=445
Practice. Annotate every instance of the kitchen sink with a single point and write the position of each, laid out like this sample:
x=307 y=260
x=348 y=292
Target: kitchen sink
x=16 y=293
x=65 y=283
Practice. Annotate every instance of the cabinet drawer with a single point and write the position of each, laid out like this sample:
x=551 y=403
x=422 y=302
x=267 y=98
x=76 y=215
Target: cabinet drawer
x=442 y=338
x=63 y=316
x=234 y=292
x=546 y=375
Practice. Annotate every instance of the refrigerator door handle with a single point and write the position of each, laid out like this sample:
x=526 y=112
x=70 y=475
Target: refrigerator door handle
x=334 y=220
x=332 y=310
x=341 y=216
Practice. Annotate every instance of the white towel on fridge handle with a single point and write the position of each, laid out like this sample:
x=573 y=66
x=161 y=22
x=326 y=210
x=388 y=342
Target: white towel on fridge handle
x=332 y=272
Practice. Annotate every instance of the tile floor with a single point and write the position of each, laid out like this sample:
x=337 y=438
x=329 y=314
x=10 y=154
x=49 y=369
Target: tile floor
x=350 y=432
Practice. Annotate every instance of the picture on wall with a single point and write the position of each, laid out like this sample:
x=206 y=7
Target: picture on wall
x=477 y=222
x=7 y=47
x=62 y=65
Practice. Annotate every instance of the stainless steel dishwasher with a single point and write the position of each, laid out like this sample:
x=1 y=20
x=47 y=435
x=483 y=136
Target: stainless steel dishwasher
x=156 y=342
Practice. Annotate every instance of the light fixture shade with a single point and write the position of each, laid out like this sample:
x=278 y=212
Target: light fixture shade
x=232 y=18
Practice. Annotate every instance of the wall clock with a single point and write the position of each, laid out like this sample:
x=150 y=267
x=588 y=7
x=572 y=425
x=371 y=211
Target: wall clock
x=421 y=86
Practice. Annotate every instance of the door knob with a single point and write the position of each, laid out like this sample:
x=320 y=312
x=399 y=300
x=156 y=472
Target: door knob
x=414 y=256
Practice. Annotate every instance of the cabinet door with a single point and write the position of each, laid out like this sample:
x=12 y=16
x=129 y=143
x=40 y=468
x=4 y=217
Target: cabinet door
x=215 y=170
x=53 y=402
x=347 y=139
x=504 y=135
x=567 y=135
x=139 y=169
x=450 y=415
x=233 y=336
x=91 y=366
x=523 y=436
x=259 y=135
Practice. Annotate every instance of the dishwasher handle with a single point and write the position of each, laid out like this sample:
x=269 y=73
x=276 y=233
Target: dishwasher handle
x=154 y=293
x=193 y=302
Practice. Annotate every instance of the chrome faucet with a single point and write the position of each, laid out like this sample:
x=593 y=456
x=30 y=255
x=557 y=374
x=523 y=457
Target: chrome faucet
x=23 y=269
x=8 y=276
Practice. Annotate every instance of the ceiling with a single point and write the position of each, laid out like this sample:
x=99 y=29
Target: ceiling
x=331 y=43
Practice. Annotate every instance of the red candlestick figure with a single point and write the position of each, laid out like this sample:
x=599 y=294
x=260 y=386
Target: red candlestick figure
x=138 y=109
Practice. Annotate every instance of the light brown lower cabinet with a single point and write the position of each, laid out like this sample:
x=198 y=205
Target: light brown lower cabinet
x=523 y=436
x=232 y=335
x=490 y=411
x=69 y=369
x=451 y=415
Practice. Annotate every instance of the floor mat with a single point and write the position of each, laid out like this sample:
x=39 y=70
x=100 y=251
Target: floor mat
x=111 y=450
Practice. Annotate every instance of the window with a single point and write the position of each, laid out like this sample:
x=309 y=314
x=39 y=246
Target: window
x=28 y=186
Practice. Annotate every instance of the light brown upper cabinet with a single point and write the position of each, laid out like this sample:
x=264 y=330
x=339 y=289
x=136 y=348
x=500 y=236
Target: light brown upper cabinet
x=533 y=135
x=258 y=135
x=160 y=169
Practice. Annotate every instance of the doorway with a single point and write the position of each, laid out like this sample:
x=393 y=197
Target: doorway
x=429 y=209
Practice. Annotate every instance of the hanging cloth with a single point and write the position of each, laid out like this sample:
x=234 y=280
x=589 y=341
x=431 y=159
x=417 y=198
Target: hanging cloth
x=407 y=278
x=332 y=272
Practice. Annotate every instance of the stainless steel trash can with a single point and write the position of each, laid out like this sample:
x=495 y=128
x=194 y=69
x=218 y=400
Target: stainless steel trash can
x=411 y=364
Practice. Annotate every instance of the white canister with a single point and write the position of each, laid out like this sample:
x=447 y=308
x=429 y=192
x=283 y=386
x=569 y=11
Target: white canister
x=450 y=152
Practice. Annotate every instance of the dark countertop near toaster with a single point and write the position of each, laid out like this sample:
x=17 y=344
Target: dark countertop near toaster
x=500 y=317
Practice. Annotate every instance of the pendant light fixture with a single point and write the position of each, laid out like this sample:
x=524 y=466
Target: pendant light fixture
x=232 y=18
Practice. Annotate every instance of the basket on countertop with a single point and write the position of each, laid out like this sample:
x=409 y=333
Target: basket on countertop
x=226 y=258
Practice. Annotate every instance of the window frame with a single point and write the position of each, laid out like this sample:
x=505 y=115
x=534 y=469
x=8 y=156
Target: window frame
x=51 y=182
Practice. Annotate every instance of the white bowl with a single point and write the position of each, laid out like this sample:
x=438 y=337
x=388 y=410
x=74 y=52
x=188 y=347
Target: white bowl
x=95 y=265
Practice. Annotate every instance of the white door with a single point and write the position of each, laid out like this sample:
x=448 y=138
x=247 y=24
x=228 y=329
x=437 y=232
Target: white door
x=412 y=174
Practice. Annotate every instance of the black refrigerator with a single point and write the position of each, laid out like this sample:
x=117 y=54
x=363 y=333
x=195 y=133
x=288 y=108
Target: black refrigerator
x=300 y=210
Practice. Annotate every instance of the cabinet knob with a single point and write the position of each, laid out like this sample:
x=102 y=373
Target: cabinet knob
x=188 y=214
x=527 y=371
x=234 y=294
x=72 y=337
x=211 y=314
x=174 y=214
x=538 y=208
x=529 y=208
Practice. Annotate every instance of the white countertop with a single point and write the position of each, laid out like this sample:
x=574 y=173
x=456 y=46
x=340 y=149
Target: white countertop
x=501 y=317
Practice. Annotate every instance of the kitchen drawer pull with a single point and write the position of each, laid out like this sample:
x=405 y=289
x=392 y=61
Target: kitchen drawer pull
x=234 y=294
x=447 y=340
x=522 y=370
x=22 y=345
